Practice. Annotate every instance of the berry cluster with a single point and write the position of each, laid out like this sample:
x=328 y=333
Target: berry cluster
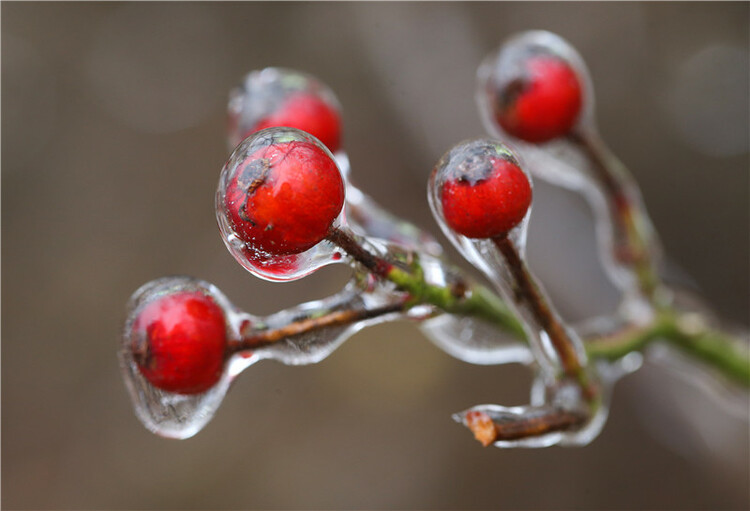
x=286 y=206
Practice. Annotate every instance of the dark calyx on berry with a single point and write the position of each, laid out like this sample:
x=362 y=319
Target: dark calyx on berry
x=284 y=198
x=179 y=342
x=484 y=194
x=542 y=104
x=307 y=112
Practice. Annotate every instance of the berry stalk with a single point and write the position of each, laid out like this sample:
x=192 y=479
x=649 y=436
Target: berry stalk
x=528 y=293
x=632 y=239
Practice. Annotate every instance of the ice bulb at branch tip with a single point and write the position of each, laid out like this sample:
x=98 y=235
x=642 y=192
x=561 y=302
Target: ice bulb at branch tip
x=174 y=355
x=184 y=343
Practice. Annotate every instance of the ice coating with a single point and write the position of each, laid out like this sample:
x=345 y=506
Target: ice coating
x=474 y=341
x=327 y=323
x=165 y=413
x=566 y=423
x=261 y=93
x=479 y=252
x=579 y=161
x=557 y=349
x=367 y=217
x=483 y=253
x=305 y=334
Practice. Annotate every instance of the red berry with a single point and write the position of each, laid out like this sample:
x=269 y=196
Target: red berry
x=485 y=199
x=179 y=342
x=283 y=198
x=542 y=105
x=307 y=112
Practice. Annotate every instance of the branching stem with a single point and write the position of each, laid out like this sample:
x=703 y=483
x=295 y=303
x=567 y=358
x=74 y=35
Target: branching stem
x=465 y=297
x=711 y=347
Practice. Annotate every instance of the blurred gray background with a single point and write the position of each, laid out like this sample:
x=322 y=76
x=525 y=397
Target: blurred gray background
x=112 y=139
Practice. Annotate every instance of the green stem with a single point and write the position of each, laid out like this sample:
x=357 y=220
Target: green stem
x=716 y=349
x=711 y=347
x=471 y=300
x=462 y=297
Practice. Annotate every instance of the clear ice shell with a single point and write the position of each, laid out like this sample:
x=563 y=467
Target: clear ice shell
x=542 y=402
x=280 y=268
x=180 y=416
x=468 y=338
x=507 y=64
x=365 y=216
x=315 y=345
x=262 y=92
x=562 y=163
x=368 y=218
x=475 y=341
x=485 y=254
x=165 y=413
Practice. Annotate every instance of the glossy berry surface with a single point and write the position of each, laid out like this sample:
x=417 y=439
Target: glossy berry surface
x=283 y=198
x=307 y=112
x=179 y=341
x=487 y=199
x=543 y=104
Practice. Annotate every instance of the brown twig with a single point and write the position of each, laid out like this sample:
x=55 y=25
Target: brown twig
x=488 y=431
x=611 y=184
x=631 y=247
x=303 y=326
x=528 y=292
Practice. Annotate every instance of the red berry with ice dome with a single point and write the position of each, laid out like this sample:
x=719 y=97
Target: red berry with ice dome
x=541 y=100
x=283 y=197
x=275 y=97
x=483 y=192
